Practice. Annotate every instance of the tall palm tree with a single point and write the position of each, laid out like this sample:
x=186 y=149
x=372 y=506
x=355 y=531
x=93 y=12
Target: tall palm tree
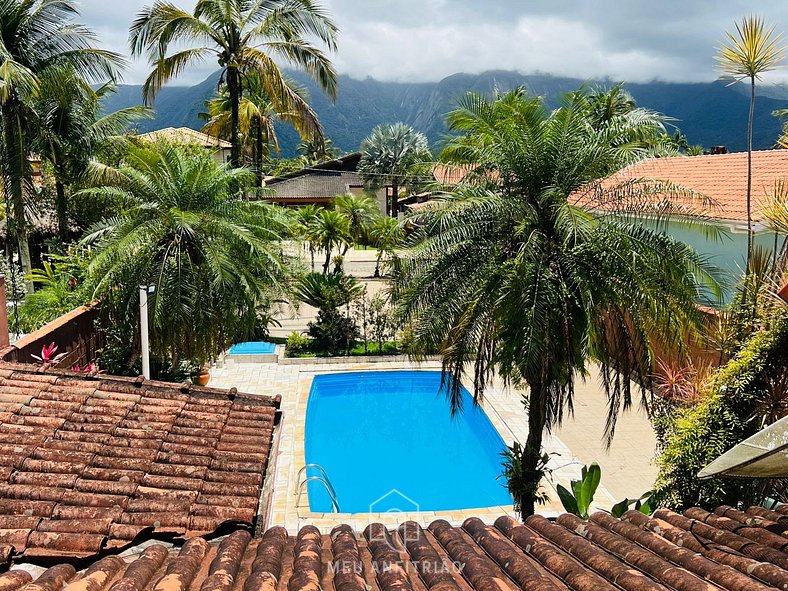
x=316 y=151
x=360 y=211
x=70 y=130
x=305 y=217
x=257 y=115
x=506 y=274
x=185 y=227
x=386 y=234
x=393 y=155
x=749 y=53
x=36 y=36
x=246 y=37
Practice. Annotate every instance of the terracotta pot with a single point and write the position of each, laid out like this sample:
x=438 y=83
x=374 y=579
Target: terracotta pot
x=783 y=293
x=203 y=377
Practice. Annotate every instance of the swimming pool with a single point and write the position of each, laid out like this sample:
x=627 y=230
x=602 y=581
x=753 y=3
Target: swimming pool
x=253 y=348
x=388 y=442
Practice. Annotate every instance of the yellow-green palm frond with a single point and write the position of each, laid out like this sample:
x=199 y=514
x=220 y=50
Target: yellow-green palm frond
x=751 y=51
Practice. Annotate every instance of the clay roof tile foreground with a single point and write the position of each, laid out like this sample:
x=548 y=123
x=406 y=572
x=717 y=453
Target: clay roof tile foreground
x=698 y=551
x=89 y=464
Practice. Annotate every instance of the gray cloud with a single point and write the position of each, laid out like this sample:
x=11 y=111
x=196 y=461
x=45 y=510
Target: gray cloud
x=423 y=40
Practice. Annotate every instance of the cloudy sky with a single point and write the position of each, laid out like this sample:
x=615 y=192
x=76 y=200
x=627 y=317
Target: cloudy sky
x=425 y=40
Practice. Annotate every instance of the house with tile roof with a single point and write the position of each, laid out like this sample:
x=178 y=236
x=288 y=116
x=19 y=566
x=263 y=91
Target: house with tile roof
x=185 y=135
x=320 y=183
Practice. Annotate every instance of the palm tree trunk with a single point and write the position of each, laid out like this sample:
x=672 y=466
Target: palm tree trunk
x=61 y=211
x=537 y=418
x=327 y=262
x=259 y=154
x=15 y=161
x=234 y=89
x=750 y=235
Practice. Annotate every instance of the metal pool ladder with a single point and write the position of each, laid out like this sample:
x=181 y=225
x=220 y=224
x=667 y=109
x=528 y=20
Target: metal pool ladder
x=323 y=479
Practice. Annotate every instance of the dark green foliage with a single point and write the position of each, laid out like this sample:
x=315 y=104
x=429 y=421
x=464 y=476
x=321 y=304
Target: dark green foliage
x=578 y=501
x=644 y=504
x=296 y=345
x=333 y=333
x=520 y=479
x=741 y=400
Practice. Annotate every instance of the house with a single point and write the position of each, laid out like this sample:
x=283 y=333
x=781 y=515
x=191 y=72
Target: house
x=722 y=178
x=184 y=135
x=320 y=183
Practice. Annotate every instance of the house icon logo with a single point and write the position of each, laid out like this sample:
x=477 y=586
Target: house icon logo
x=395 y=501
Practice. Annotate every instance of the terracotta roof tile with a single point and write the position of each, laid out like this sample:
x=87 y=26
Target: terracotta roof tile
x=93 y=463
x=635 y=553
x=721 y=177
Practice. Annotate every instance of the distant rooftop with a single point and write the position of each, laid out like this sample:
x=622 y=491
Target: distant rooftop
x=721 y=177
x=186 y=135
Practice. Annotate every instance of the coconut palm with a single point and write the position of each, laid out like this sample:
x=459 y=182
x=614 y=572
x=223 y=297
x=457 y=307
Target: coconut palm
x=749 y=53
x=360 y=211
x=257 y=115
x=70 y=130
x=507 y=275
x=246 y=38
x=393 y=155
x=185 y=228
x=316 y=151
x=36 y=36
x=329 y=230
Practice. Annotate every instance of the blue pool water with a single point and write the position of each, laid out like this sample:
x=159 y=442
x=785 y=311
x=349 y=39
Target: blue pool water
x=253 y=348
x=389 y=443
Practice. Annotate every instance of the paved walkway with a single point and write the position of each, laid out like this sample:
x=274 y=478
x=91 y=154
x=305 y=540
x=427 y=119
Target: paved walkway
x=625 y=468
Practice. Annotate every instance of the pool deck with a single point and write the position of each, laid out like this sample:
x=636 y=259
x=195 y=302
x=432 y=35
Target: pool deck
x=626 y=469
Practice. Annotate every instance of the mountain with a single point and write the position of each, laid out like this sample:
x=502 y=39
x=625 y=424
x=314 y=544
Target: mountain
x=710 y=114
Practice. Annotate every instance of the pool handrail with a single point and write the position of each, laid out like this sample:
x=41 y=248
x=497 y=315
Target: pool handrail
x=334 y=503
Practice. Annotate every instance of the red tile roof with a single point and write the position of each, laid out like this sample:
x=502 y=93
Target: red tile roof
x=89 y=463
x=721 y=177
x=698 y=551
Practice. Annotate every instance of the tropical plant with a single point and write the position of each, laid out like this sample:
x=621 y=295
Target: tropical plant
x=37 y=36
x=186 y=228
x=317 y=150
x=386 y=235
x=246 y=38
x=296 y=344
x=522 y=481
x=361 y=212
x=642 y=504
x=396 y=156
x=507 y=275
x=745 y=395
x=334 y=331
x=49 y=354
x=329 y=230
x=70 y=129
x=304 y=224
x=257 y=115
x=748 y=54
x=578 y=501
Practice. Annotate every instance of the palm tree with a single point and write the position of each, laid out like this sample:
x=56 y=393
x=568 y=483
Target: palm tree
x=245 y=37
x=360 y=212
x=506 y=274
x=304 y=226
x=257 y=115
x=69 y=130
x=393 y=155
x=329 y=230
x=386 y=234
x=184 y=226
x=316 y=151
x=37 y=36
x=751 y=52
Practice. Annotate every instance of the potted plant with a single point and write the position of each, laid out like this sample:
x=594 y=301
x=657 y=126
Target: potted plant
x=202 y=377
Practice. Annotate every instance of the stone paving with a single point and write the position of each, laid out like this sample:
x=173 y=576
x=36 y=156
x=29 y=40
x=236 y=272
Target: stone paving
x=626 y=469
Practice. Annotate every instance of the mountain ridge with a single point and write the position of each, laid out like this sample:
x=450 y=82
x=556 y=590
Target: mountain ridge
x=708 y=113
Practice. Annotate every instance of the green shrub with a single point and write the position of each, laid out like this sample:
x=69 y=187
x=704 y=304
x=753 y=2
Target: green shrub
x=296 y=344
x=740 y=401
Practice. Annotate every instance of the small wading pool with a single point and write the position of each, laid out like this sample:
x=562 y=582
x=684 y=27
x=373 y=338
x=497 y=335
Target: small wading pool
x=388 y=442
x=253 y=348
